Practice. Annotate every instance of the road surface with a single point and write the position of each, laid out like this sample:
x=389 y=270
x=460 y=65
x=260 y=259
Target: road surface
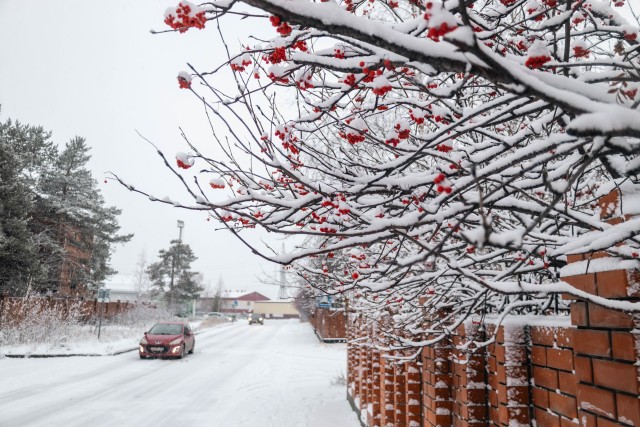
x=275 y=375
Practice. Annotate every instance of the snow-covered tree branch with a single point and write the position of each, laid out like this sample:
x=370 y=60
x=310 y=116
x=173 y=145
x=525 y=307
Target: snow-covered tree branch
x=445 y=152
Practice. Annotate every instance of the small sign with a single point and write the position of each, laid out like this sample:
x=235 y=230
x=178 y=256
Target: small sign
x=324 y=301
x=104 y=294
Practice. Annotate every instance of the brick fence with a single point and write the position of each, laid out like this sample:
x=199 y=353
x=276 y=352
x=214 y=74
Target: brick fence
x=547 y=371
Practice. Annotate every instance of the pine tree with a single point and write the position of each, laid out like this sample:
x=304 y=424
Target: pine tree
x=75 y=216
x=171 y=276
x=217 y=297
x=23 y=151
x=17 y=246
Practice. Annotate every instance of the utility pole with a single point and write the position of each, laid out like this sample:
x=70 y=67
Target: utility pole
x=180 y=226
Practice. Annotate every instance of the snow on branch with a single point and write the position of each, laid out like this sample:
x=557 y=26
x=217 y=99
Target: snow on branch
x=438 y=157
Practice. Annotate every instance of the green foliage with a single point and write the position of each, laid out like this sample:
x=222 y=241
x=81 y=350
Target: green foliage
x=52 y=215
x=171 y=276
x=17 y=245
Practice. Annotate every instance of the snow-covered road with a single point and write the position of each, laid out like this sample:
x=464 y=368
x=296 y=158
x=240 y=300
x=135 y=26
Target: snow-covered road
x=275 y=375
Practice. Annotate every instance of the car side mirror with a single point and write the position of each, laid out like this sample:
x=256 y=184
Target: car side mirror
x=145 y=333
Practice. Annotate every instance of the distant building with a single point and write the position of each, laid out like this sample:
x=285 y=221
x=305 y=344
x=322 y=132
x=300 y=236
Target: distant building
x=277 y=309
x=240 y=302
x=122 y=288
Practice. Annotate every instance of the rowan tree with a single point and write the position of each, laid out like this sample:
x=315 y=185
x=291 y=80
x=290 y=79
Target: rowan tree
x=452 y=152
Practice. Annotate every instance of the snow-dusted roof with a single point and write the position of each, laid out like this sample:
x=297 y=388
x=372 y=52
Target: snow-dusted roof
x=120 y=282
x=244 y=296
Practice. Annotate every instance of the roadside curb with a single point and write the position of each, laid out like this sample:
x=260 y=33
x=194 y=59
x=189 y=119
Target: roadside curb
x=46 y=356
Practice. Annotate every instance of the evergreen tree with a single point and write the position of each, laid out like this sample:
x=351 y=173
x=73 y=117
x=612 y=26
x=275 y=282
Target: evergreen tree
x=171 y=276
x=74 y=214
x=217 y=297
x=23 y=151
x=17 y=246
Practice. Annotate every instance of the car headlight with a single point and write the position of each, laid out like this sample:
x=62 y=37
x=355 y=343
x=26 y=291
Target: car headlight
x=144 y=341
x=141 y=349
x=260 y=319
x=176 y=341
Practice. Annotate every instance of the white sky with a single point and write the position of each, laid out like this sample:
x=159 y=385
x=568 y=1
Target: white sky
x=93 y=69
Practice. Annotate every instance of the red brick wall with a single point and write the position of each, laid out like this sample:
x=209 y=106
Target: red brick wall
x=548 y=372
x=559 y=376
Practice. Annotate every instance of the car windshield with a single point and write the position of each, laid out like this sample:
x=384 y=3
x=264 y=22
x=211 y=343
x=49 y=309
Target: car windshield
x=166 y=329
x=255 y=316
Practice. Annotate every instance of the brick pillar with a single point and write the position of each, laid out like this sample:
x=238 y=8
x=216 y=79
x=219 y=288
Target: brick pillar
x=508 y=377
x=388 y=402
x=374 y=417
x=513 y=375
x=555 y=384
x=437 y=381
x=367 y=386
x=400 y=394
x=360 y=377
x=470 y=383
x=606 y=341
x=353 y=368
x=414 y=393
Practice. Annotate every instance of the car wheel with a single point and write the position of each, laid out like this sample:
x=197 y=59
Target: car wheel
x=142 y=357
x=192 y=349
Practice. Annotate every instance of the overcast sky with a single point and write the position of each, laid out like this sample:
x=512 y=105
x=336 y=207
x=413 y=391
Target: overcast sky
x=93 y=69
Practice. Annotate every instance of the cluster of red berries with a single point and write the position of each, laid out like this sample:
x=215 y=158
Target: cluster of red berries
x=416 y=118
x=278 y=55
x=350 y=80
x=278 y=79
x=182 y=164
x=441 y=186
x=580 y=52
x=240 y=66
x=444 y=148
x=537 y=61
x=184 y=83
x=301 y=45
x=352 y=137
x=281 y=27
x=380 y=91
x=184 y=19
x=630 y=36
x=436 y=32
x=216 y=184
x=403 y=133
x=328 y=230
x=305 y=83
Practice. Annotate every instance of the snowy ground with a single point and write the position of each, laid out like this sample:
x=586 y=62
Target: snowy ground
x=276 y=375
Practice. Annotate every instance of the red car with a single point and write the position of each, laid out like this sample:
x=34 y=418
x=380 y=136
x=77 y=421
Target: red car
x=167 y=339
